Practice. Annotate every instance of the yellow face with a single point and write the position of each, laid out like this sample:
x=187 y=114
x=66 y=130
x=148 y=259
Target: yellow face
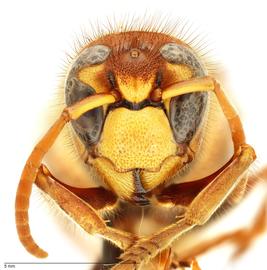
x=138 y=143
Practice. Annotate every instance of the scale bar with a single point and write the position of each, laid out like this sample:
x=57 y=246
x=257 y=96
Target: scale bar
x=58 y=265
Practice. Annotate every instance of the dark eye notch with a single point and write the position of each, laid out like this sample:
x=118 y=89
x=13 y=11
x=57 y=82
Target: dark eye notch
x=112 y=80
x=158 y=80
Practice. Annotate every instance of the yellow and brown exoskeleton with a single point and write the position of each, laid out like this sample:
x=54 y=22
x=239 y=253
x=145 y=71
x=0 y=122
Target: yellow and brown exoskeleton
x=158 y=133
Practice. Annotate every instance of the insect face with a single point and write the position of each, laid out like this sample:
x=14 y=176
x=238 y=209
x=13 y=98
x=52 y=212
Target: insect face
x=136 y=143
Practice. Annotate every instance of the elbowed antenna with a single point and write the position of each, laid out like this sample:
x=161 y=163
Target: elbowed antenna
x=33 y=163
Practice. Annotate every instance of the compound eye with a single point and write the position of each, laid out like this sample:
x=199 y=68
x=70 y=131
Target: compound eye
x=186 y=111
x=89 y=125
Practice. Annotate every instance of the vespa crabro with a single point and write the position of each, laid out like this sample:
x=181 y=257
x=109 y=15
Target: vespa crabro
x=157 y=132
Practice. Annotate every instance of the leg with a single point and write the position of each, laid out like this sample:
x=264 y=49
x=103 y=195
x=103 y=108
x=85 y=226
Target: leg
x=82 y=212
x=72 y=201
x=242 y=237
x=33 y=163
x=199 y=211
x=98 y=197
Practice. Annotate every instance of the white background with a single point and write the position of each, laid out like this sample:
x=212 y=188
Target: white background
x=34 y=38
